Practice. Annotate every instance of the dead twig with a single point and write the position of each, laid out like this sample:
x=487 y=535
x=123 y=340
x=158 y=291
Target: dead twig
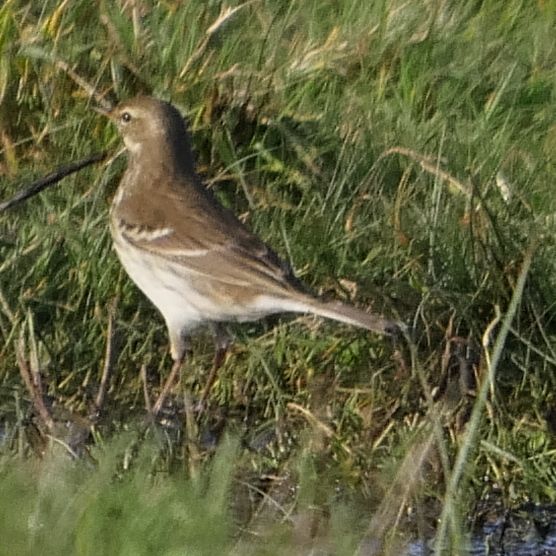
x=51 y=179
x=314 y=421
x=110 y=357
x=143 y=375
x=86 y=86
x=33 y=384
x=431 y=166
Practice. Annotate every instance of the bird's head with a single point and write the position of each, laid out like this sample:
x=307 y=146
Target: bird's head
x=147 y=124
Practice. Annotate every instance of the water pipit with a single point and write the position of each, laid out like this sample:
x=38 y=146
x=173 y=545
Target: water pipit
x=189 y=255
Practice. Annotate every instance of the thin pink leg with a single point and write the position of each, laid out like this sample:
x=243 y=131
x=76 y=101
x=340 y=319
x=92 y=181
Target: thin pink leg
x=176 y=367
x=222 y=343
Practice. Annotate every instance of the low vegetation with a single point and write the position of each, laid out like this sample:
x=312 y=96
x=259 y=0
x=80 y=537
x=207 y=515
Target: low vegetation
x=401 y=156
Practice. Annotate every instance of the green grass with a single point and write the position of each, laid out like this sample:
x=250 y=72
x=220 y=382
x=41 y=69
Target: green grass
x=127 y=504
x=121 y=508
x=369 y=144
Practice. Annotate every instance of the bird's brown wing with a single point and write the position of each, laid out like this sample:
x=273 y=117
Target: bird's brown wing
x=191 y=228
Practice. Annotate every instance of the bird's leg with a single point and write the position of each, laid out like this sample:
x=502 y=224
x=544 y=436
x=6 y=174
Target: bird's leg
x=167 y=386
x=222 y=342
x=178 y=351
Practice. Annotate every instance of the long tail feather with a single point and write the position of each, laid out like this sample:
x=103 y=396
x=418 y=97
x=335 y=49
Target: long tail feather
x=357 y=317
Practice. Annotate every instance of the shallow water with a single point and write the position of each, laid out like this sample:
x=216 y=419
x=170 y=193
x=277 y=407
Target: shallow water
x=527 y=531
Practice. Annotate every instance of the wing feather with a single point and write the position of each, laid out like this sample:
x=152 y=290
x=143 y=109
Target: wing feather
x=189 y=227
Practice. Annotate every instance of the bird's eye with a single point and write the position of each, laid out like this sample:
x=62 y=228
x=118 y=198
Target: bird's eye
x=126 y=117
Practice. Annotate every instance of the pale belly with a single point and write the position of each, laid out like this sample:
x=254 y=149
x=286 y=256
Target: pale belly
x=183 y=306
x=170 y=292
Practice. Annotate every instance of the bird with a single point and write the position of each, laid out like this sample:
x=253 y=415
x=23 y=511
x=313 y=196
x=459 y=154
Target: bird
x=191 y=256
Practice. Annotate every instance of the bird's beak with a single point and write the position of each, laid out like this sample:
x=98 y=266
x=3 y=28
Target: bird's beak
x=106 y=110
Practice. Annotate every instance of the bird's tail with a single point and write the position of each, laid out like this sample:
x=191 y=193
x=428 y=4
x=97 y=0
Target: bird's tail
x=351 y=315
